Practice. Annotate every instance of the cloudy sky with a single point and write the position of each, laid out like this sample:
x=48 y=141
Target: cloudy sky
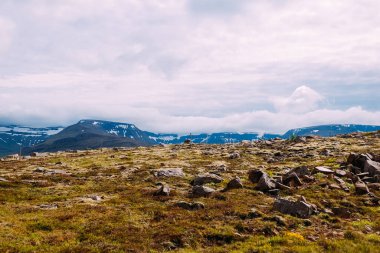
x=190 y=65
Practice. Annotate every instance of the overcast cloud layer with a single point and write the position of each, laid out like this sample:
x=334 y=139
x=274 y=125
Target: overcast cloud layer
x=190 y=66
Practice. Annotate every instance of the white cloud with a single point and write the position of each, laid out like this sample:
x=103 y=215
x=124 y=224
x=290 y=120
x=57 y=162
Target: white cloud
x=177 y=65
x=303 y=99
x=6 y=28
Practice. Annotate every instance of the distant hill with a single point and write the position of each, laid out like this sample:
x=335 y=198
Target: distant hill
x=12 y=137
x=90 y=134
x=213 y=138
x=330 y=130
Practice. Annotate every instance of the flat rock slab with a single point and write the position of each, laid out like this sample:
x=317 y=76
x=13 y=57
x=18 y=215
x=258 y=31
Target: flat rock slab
x=323 y=169
x=169 y=172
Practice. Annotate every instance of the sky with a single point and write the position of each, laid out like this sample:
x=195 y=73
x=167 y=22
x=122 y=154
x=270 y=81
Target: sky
x=184 y=66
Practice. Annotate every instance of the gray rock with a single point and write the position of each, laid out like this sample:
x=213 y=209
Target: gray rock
x=164 y=190
x=190 y=206
x=265 y=183
x=234 y=155
x=202 y=191
x=300 y=171
x=342 y=184
x=323 y=170
x=206 y=178
x=299 y=208
x=95 y=197
x=361 y=188
x=372 y=167
x=48 y=206
x=40 y=170
x=169 y=172
x=374 y=186
x=292 y=180
x=234 y=184
x=255 y=175
x=340 y=173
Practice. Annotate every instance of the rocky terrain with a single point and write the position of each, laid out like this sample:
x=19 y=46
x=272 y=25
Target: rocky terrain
x=305 y=194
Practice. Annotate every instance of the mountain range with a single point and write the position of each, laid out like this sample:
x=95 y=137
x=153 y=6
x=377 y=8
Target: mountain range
x=89 y=134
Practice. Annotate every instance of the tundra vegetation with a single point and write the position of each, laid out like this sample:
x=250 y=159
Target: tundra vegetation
x=298 y=195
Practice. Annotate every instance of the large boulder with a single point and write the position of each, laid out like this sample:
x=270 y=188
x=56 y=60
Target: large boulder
x=299 y=208
x=234 y=184
x=265 y=183
x=206 y=178
x=372 y=167
x=255 y=175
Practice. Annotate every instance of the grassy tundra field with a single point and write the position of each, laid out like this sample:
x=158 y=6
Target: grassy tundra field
x=180 y=198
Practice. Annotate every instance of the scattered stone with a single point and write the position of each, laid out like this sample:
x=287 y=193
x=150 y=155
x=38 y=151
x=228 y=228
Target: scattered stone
x=169 y=172
x=255 y=175
x=164 y=190
x=361 y=188
x=3 y=179
x=300 y=171
x=234 y=184
x=323 y=170
x=40 y=170
x=334 y=186
x=265 y=183
x=234 y=155
x=190 y=206
x=297 y=208
x=187 y=141
x=202 y=191
x=374 y=186
x=48 y=206
x=325 y=152
x=282 y=186
x=95 y=197
x=292 y=180
x=372 y=167
x=342 y=184
x=340 y=173
x=254 y=213
x=361 y=175
x=206 y=178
